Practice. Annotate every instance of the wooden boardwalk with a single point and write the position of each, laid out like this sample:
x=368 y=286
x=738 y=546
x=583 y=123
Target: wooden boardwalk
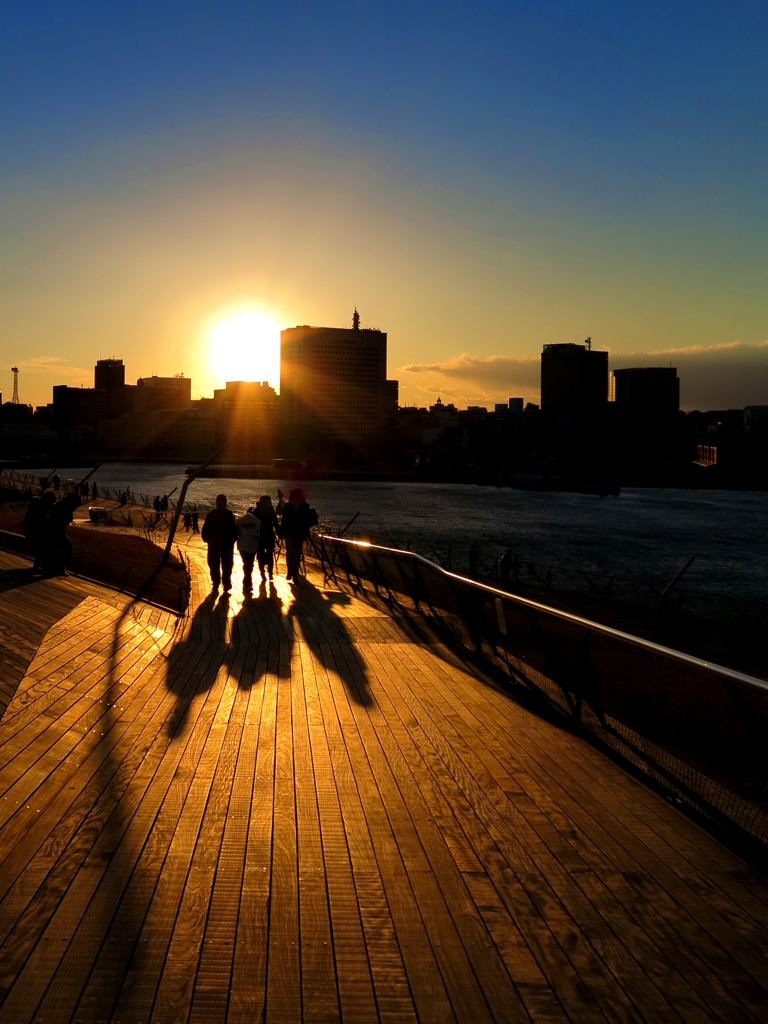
x=292 y=808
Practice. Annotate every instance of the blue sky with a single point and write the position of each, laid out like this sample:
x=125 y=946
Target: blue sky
x=479 y=178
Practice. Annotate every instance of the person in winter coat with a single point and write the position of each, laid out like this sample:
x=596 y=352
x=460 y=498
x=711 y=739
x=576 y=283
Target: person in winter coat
x=36 y=525
x=269 y=525
x=220 y=534
x=58 y=546
x=248 y=536
x=298 y=518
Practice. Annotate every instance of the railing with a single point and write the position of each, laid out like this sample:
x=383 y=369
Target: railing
x=697 y=729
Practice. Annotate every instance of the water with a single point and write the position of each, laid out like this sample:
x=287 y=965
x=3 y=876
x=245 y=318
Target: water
x=644 y=533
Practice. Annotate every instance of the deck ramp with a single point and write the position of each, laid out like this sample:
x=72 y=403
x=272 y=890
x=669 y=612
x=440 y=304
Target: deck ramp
x=297 y=808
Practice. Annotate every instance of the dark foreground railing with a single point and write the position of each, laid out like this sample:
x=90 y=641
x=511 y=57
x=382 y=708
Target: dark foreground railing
x=697 y=729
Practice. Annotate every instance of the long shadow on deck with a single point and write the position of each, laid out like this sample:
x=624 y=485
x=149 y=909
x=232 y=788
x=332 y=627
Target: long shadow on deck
x=208 y=627
x=312 y=605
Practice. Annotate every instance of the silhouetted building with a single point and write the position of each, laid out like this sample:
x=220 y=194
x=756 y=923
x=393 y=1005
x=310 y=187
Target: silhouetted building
x=648 y=394
x=247 y=412
x=74 y=408
x=188 y=433
x=109 y=374
x=333 y=382
x=574 y=380
x=154 y=393
x=516 y=406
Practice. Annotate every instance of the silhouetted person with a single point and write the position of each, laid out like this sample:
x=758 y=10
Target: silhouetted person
x=164 y=504
x=56 y=482
x=248 y=533
x=36 y=525
x=280 y=503
x=156 y=503
x=474 y=558
x=94 y=491
x=506 y=567
x=195 y=522
x=267 y=516
x=187 y=521
x=298 y=518
x=58 y=547
x=220 y=534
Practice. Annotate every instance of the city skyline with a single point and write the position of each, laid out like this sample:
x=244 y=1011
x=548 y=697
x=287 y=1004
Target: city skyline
x=479 y=179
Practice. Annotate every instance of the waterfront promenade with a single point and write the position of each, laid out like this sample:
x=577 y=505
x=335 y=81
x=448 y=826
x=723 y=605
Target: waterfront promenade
x=300 y=807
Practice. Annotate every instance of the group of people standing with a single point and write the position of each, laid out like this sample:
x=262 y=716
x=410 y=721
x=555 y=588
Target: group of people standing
x=256 y=534
x=45 y=527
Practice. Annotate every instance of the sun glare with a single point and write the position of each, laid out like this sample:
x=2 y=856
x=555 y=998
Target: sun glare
x=246 y=346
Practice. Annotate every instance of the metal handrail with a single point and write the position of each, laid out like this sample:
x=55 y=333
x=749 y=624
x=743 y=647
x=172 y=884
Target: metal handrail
x=617 y=634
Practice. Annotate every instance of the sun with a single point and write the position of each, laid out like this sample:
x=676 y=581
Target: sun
x=246 y=346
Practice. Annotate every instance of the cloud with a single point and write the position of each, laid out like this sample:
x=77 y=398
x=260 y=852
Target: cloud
x=729 y=375
x=54 y=365
x=725 y=376
x=497 y=371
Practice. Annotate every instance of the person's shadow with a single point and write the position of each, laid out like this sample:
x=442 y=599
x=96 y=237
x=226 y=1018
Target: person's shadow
x=341 y=655
x=190 y=669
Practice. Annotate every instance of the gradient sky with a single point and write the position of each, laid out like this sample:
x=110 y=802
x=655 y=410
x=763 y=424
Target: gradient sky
x=480 y=179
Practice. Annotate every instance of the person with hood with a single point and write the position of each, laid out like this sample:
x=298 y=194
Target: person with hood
x=269 y=525
x=36 y=525
x=58 y=546
x=298 y=518
x=248 y=537
x=220 y=534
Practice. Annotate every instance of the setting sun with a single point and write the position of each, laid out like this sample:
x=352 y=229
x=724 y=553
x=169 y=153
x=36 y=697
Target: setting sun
x=246 y=346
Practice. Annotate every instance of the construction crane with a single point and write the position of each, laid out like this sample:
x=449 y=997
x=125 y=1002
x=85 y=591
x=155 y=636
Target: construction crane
x=15 y=372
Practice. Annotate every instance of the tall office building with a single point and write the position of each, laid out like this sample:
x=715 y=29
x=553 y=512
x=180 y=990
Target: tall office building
x=109 y=374
x=574 y=380
x=650 y=393
x=333 y=382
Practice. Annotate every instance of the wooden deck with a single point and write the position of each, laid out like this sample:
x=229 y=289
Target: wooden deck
x=291 y=808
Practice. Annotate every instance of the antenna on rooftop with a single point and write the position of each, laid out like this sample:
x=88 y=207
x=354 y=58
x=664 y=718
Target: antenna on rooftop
x=588 y=343
x=15 y=372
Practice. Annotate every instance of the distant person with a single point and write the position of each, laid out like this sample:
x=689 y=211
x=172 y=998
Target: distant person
x=83 y=490
x=187 y=522
x=220 y=534
x=164 y=504
x=56 y=482
x=474 y=559
x=298 y=519
x=506 y=567
x=270 y=525
x=248 y=534
x=36 y=526
x=156 y=503
x=58 y=547
x=280 y=502
x=94 y=491
x=195 y=522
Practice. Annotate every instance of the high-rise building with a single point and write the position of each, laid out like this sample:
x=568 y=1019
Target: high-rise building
x=247 y=411
x=650 y=393
x=109 y=374
x=153 y=393
x=574 y=380
x=333 y=382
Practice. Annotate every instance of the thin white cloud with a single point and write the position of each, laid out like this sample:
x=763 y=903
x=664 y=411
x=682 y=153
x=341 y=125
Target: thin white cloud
x=728 y=375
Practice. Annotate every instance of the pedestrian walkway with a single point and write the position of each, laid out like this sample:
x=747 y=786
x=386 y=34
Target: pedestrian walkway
x=299 y=807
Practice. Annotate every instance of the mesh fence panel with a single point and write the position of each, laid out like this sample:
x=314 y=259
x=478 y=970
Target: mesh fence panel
x=699 y=730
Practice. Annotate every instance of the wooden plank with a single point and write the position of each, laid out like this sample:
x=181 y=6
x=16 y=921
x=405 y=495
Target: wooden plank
x=319 y=989
x=283 y=964
x=353 y=975
x=249 y=975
